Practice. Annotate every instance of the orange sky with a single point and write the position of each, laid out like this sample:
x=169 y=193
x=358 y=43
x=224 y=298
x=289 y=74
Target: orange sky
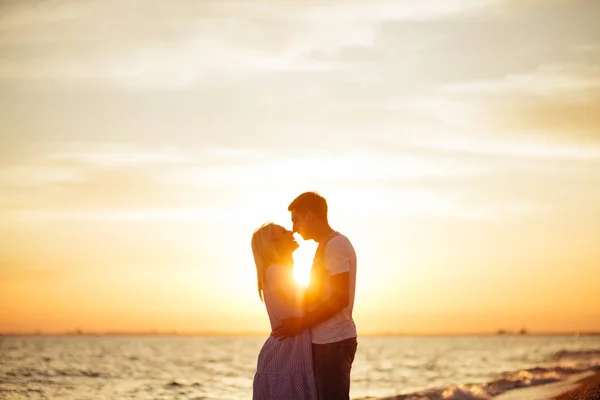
x=456 y=142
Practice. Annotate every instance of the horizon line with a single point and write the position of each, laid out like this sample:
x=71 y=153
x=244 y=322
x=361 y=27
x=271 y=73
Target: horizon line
x=263 y=333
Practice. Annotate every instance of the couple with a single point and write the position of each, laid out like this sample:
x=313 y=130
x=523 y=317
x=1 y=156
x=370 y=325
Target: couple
x=310 y=351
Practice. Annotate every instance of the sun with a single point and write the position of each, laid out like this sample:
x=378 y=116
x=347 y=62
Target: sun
x=303 y=258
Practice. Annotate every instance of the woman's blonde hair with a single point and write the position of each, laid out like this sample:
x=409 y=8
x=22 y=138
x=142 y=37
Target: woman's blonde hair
x=264 y=253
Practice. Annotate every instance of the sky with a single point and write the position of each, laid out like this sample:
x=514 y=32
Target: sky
x=142 y=142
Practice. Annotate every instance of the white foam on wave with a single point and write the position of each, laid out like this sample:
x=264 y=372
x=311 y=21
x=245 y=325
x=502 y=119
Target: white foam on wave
x=568 y=363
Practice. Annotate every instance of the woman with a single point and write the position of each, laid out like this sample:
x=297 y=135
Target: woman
x=284 y=370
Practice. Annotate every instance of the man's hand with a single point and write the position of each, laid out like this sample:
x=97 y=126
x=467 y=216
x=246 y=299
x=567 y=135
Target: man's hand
x=289 y=327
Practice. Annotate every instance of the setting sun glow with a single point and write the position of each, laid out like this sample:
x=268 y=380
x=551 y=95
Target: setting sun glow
x=303 y=258
x=456 y=143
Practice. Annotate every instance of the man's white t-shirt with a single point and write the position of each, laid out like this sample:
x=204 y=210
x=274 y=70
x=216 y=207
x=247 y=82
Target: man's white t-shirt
x=339 y=257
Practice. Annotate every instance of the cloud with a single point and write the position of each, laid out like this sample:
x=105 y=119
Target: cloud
x=122 y=182
x=188 y=44
x=349 y=202
x=113 y=169
x=589 y=48
x=555 y=101
x=14 y=15
x=74 y=162
x=572 y=120
x=112 y=215
x=69 y=41
x=304 y=168
x=547 y=80
x=523 y=149
x=264 y=73
x=37 y=175
x=118 y=154
x=390 y=10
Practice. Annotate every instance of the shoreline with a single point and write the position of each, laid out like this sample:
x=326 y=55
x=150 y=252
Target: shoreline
x=587 y=388
x=584 y=385
x=547 y=391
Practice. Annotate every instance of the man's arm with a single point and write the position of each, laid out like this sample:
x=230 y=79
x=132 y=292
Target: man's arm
x=339 y=299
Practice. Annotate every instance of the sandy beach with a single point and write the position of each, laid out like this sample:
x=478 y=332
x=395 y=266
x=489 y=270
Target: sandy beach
x=549 y=391
x=587 y=389
x=584 y=386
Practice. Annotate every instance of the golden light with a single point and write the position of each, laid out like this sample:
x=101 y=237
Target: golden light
x=303 y=258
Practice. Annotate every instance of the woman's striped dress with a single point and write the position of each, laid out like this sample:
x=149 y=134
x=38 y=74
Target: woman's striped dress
x=285 y=369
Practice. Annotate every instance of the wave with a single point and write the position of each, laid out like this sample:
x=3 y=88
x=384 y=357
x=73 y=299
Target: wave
x=571 y=362
x=586 y=355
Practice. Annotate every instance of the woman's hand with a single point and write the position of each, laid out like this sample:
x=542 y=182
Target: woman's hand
x=289 y=327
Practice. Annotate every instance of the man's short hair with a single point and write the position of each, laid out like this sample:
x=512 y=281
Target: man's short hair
x=310 y=201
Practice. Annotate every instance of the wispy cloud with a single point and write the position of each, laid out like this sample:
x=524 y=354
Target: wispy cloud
x=524 y=149
x=209 y=40
x=112 y=215
x=74 y=163
x=555 y=101
x=315 y=72
x=118 y=154
x=123 y=182
x=547 y=80
x=38 y=175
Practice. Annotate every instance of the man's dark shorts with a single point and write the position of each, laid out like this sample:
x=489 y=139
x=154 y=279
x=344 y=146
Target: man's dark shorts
x=332 y=364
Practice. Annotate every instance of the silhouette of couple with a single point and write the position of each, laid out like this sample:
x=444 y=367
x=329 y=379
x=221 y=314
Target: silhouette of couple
x=311 y=348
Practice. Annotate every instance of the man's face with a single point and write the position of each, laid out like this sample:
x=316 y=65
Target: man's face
x=301 y=221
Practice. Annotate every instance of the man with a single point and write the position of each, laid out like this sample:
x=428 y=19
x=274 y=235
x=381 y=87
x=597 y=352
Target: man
x=329 y=299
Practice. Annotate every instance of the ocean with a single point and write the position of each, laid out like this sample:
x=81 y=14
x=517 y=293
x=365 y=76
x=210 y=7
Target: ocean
x=221 y=368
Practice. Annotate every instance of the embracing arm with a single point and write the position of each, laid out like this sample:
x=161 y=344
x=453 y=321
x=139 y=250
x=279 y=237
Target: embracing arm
x=339 y=299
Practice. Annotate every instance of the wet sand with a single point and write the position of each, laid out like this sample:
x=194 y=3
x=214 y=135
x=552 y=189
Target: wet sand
x=587 y=389
x=545 y=392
